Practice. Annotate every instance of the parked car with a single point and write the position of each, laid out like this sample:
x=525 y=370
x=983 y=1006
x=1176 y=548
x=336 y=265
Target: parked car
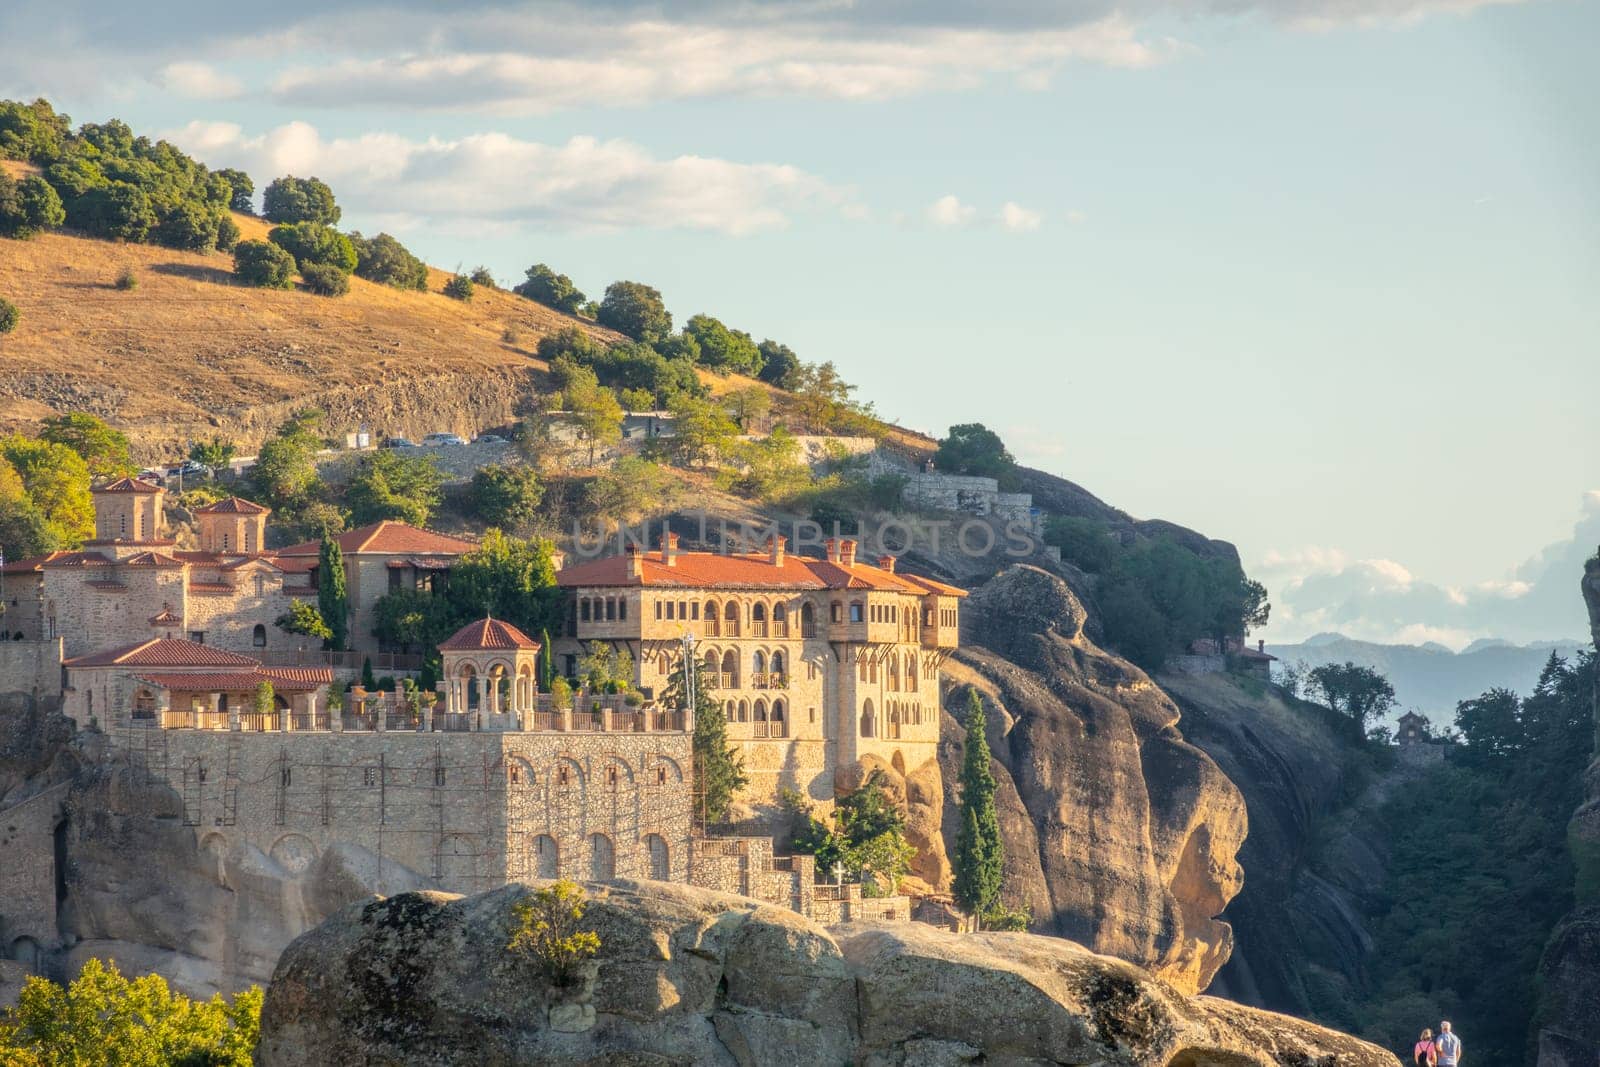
x=151 y=475
x=488 y=439
x=435 y=439
x=397 y=442
x=189 y=469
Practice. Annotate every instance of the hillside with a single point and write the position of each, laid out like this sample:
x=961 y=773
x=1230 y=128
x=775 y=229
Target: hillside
x=189 y=354
x=1432 y=678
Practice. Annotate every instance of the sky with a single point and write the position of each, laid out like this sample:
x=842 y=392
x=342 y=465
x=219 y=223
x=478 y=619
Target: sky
x=1316 y=277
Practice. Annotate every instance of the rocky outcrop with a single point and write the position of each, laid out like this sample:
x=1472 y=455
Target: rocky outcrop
x=688 y=976
x=1119 y=833
x=1570 y=970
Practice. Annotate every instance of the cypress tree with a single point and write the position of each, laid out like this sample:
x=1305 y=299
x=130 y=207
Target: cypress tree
x=547 y=662
x=332 y=598
x=980 y=856
x=719 y=769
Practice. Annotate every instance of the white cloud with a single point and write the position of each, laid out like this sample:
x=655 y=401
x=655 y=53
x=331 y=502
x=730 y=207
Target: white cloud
x=950 y=211
x=1318 y=588
x=1018 y=219
x=199 y=80
x=583 y=183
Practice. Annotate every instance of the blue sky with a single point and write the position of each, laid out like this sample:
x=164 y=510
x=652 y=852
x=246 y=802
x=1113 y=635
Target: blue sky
x=1314 y=276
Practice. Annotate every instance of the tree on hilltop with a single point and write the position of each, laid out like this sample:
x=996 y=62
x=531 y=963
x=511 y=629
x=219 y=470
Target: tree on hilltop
x=722 y=349
x=778 y=364
x=263 y=265
x=973 y=448
x=241 y=190
x=28 y=207
x=1353 y=690
x=315 y=243
x=545 y=286
x=637 y=310
x=290 y=200
x=384 y=260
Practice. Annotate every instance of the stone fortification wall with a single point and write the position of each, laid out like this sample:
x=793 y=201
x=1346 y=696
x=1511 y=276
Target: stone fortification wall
x=30 y=675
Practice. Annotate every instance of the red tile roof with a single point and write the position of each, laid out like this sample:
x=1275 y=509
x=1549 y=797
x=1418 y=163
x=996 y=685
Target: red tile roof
x=129 y=485
x=387 y=538
x=210 y=587
x=285 y=680
x=166 y=617
x=163 y=652
x=712 y=570
x=152 y=559
x=232 y=506
x=28 y=564
x=77 y=559
x=488 y=634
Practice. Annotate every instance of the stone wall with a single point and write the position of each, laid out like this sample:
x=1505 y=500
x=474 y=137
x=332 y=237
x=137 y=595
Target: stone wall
x=970 y=495
x=28 y=876
x=456 y=462
x=747 y=866
x=30 y=675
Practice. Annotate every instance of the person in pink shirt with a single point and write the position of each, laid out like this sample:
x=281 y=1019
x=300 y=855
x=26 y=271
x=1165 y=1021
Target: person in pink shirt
x=1423 y=1053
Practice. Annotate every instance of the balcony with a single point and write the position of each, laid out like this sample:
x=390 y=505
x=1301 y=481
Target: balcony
x=768 y=680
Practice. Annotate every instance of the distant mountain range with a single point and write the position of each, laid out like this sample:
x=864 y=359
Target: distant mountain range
x=1432 y=678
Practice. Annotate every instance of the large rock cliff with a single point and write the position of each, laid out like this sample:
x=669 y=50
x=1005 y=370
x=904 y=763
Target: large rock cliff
x=687 y=976
x=1119 y=834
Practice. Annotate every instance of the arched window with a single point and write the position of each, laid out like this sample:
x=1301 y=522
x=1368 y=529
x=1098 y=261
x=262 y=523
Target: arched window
x=730 y=616
x=758 y=664
x=258 y=636
x=911 y=671
x=144 y=704
x=546 y=857
x=869 y=725
x=777 y=667
x=808 y=621
x=730 y=669
x=602 y=858
x=744 y=711
x=760 y=711
x=611 y=609
x=713 y=616
x=583 y=609
x=780 y=621
x=758 y=620
x=894 y=673
x=660 y=858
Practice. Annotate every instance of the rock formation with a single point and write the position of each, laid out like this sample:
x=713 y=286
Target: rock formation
x=1119 y=834
x=1570 y=970
x=687 y=976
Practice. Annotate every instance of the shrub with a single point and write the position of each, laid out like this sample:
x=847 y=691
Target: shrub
x=290 y=200
x=325 y=279
x=263 y=264
x=189 y=225
x=312 y=242
x=28 y=206
x=547 y=932
x=507 y=497
x=480 y=276
x=9 y=315
x=127 y=281
x=551 y=289
x=384 y=260
x=511 y=335
x=459 y=288
x=227 y=234
x=240 y=190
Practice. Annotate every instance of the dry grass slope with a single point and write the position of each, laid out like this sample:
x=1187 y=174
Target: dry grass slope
x=188 y=353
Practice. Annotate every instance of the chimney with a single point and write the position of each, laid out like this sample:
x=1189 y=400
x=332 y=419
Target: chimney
x=776 y=544
x=669 y=548
x=831 y=547
x=887 y=563
x=847 y=552
x=635 y=565
x=1261 y=645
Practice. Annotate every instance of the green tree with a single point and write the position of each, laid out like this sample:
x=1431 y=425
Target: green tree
x=779 y=364
x=384 y=260
x=596 y=408
x=635 y=309
x=263 y=265
x=507 y=496
x=56 y=480
x=302 y=618
x=285 y=471
x=481 y=275
x=312 y=243
x=117 y=210
x=262 y=703
x=28 y=207
x=980 y=854
x=748 y=406
x=215 y=453
x=572 y=342
x=703 y=432
x=507 y=577
x=9 y=315
x=1084 y=543
x=1353 y=690
x=459 y=288
x=32 y=132
x=325 y=279
x=718 y=767
x=333 y=599
x=972 y=448
x=547 y=660
x=190 y=225
x=547 y=930
x=105 y=1020
x=104 y=449
x=546 y=287
x=877 y=852
x=290 y=199
x=769 y=469
x=23 y=529
x=721 y=349
x=241 y=190
x=391 y=485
